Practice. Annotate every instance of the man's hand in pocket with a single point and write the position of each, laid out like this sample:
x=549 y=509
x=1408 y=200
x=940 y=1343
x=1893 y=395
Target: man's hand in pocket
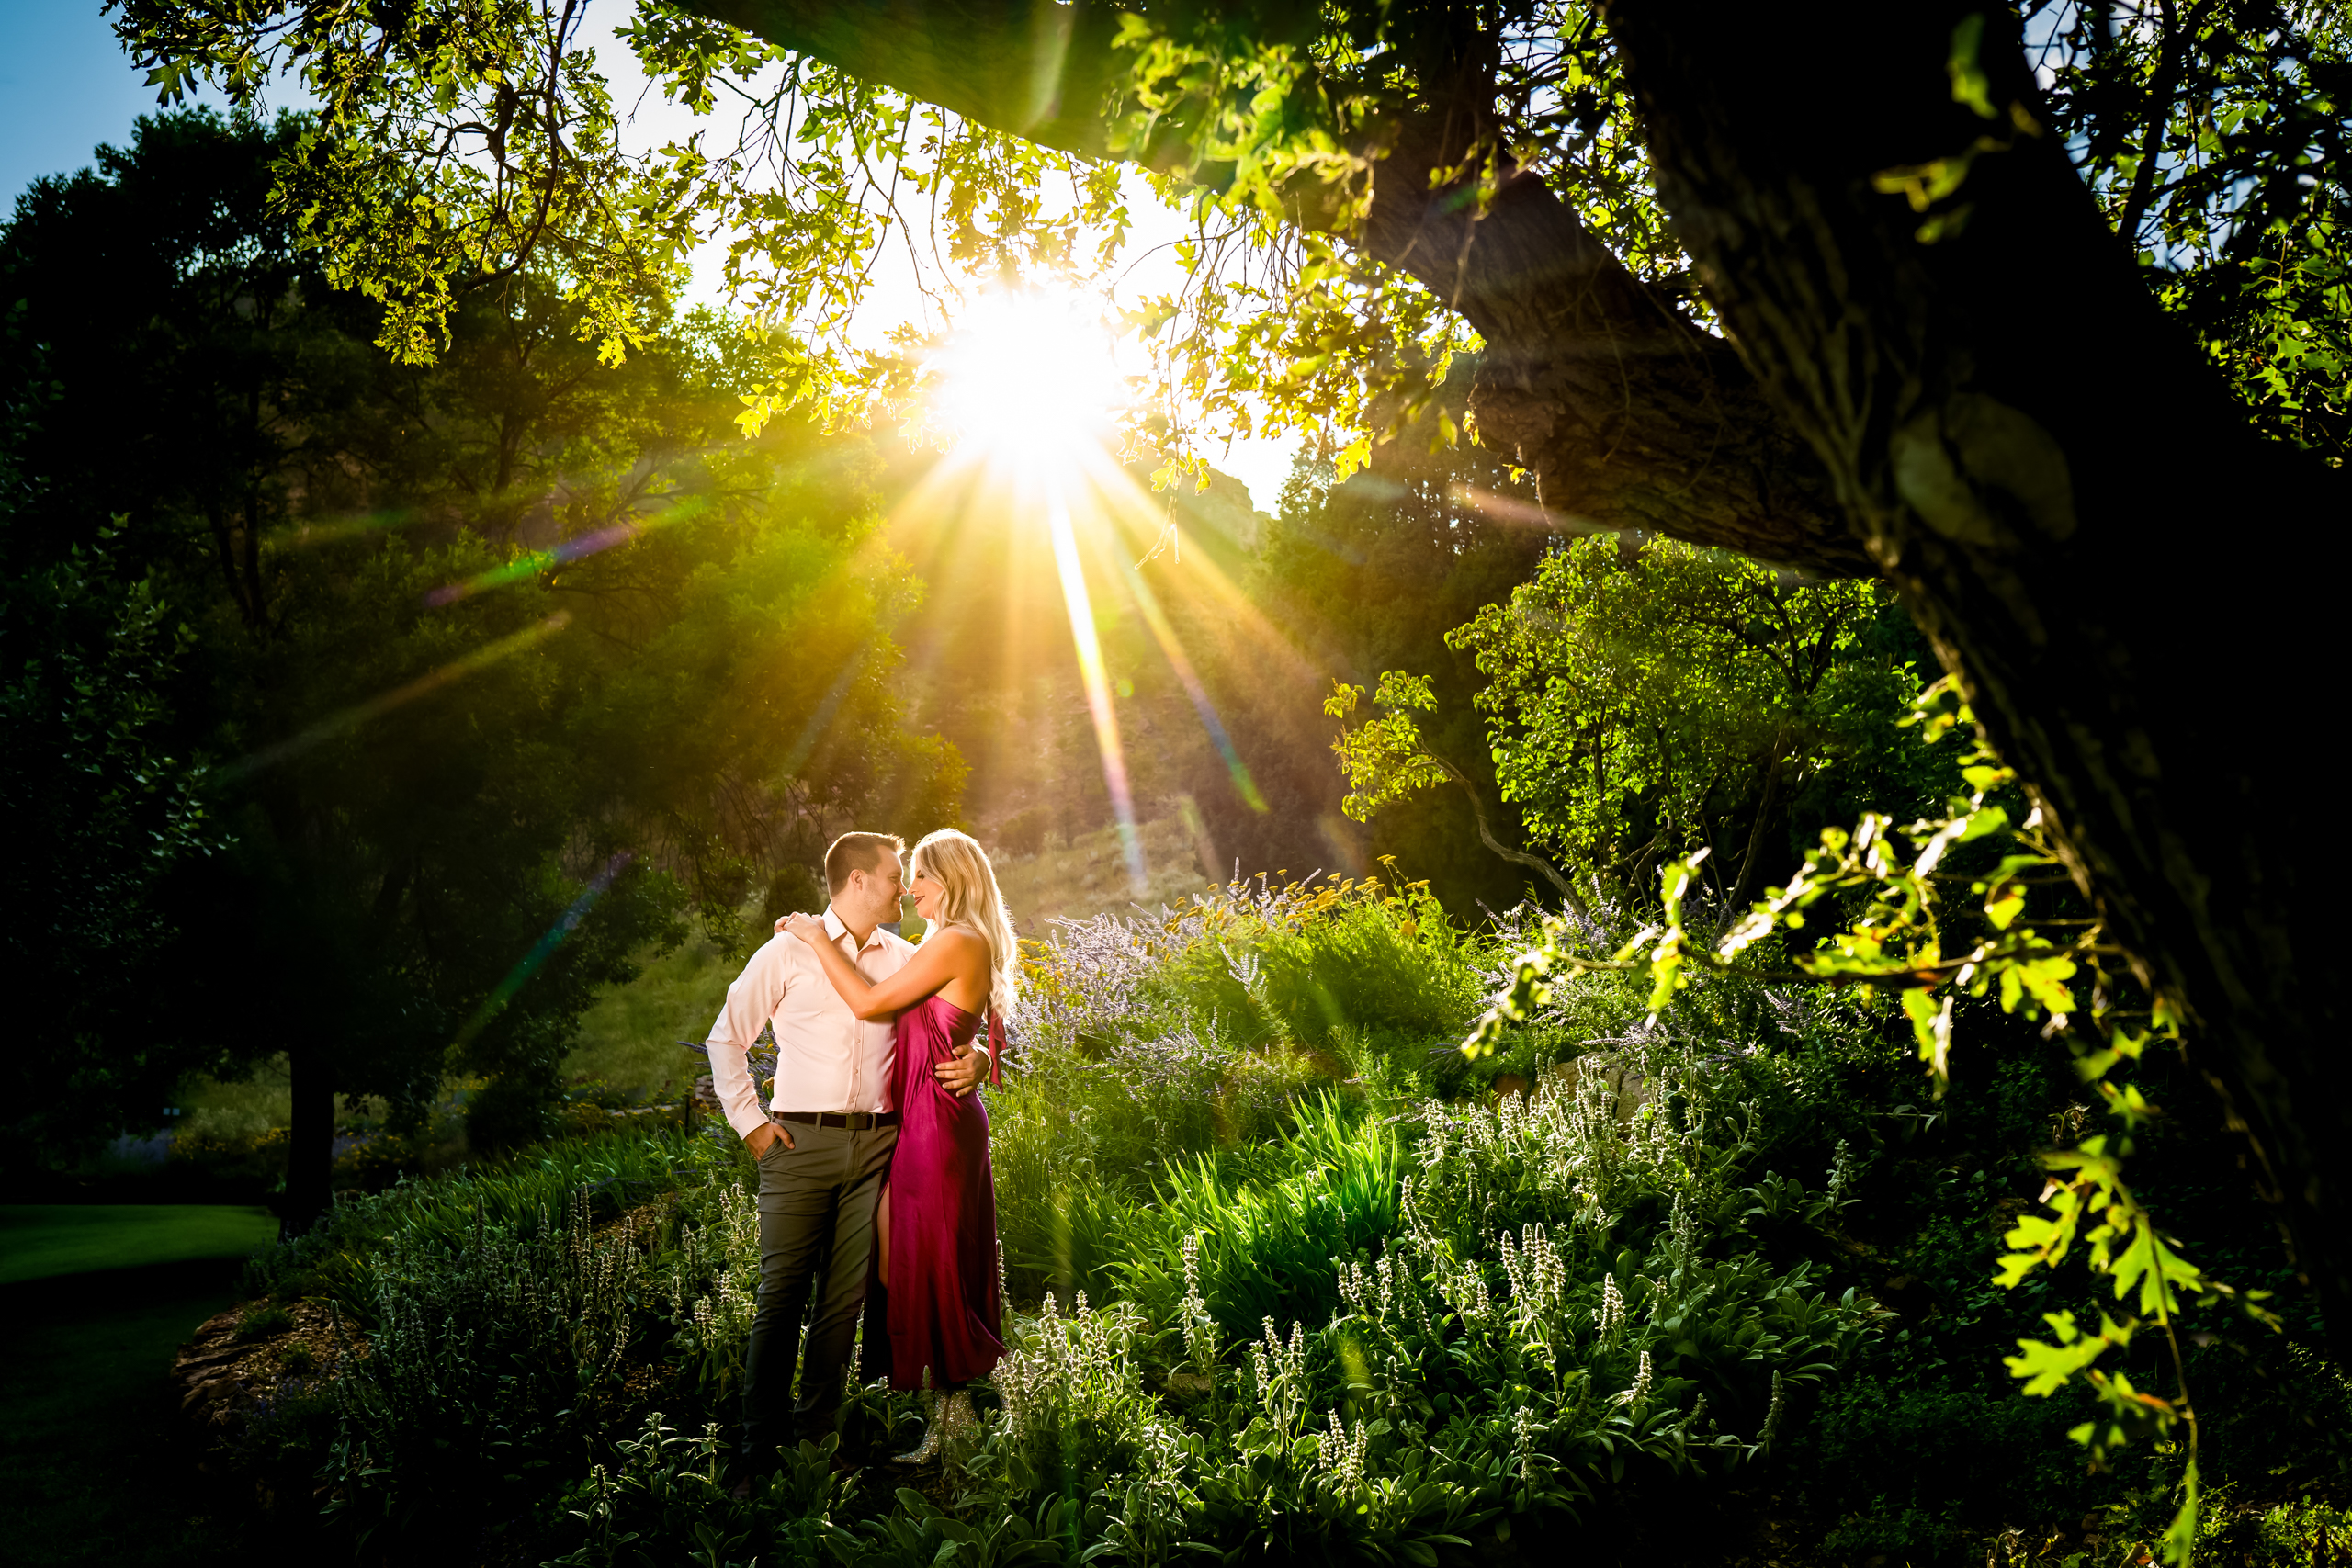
x=765 y=1137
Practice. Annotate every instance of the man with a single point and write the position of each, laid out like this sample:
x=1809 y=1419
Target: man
x=824 y=1142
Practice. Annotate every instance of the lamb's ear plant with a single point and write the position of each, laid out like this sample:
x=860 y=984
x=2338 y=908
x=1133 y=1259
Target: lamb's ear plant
x=1907 y=941
x=666 y=1490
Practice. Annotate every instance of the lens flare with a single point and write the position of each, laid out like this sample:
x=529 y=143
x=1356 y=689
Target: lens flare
x=1157 y=619
x=1525 y=515
x=1098 y=687
x=358 y=714
x=532 y=562
x=335 y=530
x=542 y=950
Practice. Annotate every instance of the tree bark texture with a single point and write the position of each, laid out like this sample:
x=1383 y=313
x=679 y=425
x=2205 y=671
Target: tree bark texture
x=2060 y=488
x=1628 y=415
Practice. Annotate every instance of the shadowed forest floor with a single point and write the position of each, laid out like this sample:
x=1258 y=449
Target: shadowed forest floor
x=95 y=1299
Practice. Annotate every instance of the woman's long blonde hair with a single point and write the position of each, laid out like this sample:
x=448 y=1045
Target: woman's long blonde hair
x=971 y=900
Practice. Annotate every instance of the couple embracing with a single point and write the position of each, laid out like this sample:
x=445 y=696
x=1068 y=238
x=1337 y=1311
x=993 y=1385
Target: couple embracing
x=875 y=1189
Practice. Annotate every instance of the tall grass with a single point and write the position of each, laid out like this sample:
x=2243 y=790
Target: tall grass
x=1180 y=1046
x=1267 y=1247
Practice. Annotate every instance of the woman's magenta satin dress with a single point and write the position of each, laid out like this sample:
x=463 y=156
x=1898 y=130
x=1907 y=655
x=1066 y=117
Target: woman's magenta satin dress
x=942 y=1310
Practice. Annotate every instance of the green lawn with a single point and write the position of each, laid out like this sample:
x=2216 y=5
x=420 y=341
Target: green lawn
x=95 y=1466
x=39 y=1240
x=630 y=1039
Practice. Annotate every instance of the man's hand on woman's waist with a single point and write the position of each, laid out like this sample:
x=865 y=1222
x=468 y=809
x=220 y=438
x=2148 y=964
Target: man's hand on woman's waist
x=962 y=1075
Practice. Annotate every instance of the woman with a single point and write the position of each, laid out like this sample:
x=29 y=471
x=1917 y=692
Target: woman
x=933 y=1315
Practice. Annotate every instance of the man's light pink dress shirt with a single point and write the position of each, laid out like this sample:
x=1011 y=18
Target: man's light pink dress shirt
x=827 y=1058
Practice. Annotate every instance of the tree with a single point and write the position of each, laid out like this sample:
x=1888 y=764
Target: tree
x=1875 y=206
x=102 y=815
x=1643 y=703
x=511 y=656
x=1369 y=574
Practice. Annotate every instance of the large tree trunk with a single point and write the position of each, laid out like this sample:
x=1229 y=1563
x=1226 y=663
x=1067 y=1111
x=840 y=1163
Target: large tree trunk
x=2062 y=492
x=1628 y=415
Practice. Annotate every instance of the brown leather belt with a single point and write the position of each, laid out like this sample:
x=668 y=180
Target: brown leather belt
x=854 y=1121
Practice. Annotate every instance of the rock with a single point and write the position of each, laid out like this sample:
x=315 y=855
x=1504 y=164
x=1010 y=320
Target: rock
x=1618 y=1087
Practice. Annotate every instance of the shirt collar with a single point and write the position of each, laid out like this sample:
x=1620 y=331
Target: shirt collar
x=836 y=929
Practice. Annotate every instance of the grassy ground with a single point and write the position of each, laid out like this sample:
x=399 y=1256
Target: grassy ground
x=99 y=1296
x=630 y=1039
x=1087 y=876
x=40 y=1241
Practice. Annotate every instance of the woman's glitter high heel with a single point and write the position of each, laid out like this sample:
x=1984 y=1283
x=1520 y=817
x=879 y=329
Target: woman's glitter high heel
x=952 y=1421
x=928 y=1450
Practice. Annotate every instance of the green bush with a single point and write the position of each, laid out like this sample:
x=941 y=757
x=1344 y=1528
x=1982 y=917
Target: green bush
x=262 y=1322
x=1491 y=1312
x=1151 y=1044
x=666 y=1491
x=248 y=1156
x=1304 y=964
x=520 y=1191
x=1291 y=1306
x=489 y=1364
x=1930 y=1473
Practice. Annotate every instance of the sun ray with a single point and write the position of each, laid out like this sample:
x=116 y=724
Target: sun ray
x=1131 y=507
x=357 y=713
x=542 y=950
x=1098 y=686
x=1173 y=651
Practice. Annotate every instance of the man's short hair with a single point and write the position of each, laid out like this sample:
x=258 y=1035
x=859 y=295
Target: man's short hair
x=857 y=852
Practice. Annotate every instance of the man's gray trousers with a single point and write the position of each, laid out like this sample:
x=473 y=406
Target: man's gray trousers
x=816 y=1203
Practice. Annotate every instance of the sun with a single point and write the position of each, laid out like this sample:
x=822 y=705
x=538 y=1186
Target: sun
x=1027 y=375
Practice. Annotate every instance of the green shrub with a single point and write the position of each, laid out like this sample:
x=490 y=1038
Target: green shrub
x=1489 y=1315
x=1152 y=1043
x=1075 y=1409
x=255 y=1156
x=1304 y=964
x=1294 y=1307
x=519 y=1190
x=264 y=1322
x=1928 y=1473
x=489 y=1362
x=2304 y=1533
x=665 y=1492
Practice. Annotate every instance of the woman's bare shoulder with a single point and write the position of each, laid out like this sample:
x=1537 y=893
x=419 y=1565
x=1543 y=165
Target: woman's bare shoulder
x=955 y=942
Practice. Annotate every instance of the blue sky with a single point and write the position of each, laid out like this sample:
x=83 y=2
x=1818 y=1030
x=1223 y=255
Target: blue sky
x=66 y=85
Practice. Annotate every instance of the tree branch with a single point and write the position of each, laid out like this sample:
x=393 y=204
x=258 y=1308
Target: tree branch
x=1517 y=857
x=1629 y=416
